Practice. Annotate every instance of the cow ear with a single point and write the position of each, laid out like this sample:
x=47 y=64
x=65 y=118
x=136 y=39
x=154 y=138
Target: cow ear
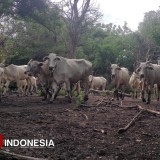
x=148 y=62
x=137 y=70
x=45 y=58
x=58 y=58
x=30 y=61
x=151 y=68
x=119 y=68
x=6 y=65
x=40 y=64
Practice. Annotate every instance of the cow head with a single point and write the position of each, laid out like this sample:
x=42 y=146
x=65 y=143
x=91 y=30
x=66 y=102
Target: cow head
x=114 y=70
x=52 y=61
x=144 y=69
x=33 y=68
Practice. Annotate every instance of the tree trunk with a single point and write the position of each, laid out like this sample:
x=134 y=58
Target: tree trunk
x=73 y=44
x=72 y=50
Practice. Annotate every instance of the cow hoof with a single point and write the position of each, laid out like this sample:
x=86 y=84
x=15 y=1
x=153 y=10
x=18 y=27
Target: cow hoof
x=44 y=99
x=147 y=102
x=50 y=101
x=86 y=98
x=69 y=101
x=143 y=100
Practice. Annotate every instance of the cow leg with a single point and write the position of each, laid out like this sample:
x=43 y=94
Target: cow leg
x=45 y=89
x=28 y=86
x=149 y=95
x=31 y=89
x=116 y=94
x=59 y=88
x=46 y=92
x=136 y=94
x=6 y=86
x=68 y=87
x=24 y=88
x=158 y=88
x=143 y=87
x=86 y=87
x=55 y=88
x=35 y=86
x=142 y=96
x=121 y=95
x=19 y=88
x=78 y=88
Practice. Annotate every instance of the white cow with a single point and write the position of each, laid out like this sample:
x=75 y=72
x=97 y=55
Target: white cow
x=15 y=73
x=1 y=77
x=135 y=84
x=150 y=74
x=68 y=71
x=120 y=78
x=98 y=83
x=33 y=84
x=22 y=86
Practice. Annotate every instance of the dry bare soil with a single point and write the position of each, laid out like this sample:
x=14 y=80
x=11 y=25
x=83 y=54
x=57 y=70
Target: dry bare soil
x=80 y=133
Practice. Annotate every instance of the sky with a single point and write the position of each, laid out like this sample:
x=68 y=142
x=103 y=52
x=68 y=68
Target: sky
x=131 y=11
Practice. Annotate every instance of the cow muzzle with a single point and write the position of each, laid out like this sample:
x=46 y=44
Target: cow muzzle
x=28 y=73
x=113 y=76
x=141 y=76
x=52 y=68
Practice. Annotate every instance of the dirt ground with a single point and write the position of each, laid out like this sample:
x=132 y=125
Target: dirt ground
x=80 y=133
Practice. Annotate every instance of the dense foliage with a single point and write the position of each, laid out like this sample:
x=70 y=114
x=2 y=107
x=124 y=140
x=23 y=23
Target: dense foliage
x=34 y=28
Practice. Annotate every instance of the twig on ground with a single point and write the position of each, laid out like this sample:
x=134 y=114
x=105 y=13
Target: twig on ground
x=107 y=91
x=85 y=116
x=92 y=105
x=121 y=130
x=100 y=102
x=142 y=110
x=9 y=155
x=99 y=130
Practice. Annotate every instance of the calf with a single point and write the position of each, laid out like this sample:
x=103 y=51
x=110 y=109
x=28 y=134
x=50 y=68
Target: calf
x=120 y=78
x=135 y=84
x=15 y=73
x=97 y=82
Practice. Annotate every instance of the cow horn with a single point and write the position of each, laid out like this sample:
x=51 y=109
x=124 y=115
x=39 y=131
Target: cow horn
x=118 y=63
x=30 y=60
x=148 y=62
x=45 y=58
x=40 y=64
x=58 y=58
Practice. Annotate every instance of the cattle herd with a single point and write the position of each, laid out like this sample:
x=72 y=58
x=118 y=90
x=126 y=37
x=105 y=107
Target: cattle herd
x=56 y=72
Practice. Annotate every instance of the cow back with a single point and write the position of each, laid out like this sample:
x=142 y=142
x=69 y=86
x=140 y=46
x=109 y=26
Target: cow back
x=73 y=69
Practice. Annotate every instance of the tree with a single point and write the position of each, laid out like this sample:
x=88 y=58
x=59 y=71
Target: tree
x=150 y=30
x=29 y=24
x=5 y=7
x=78 y=16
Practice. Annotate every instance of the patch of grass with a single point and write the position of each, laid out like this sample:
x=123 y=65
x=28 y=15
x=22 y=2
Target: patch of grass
x=80 y=98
